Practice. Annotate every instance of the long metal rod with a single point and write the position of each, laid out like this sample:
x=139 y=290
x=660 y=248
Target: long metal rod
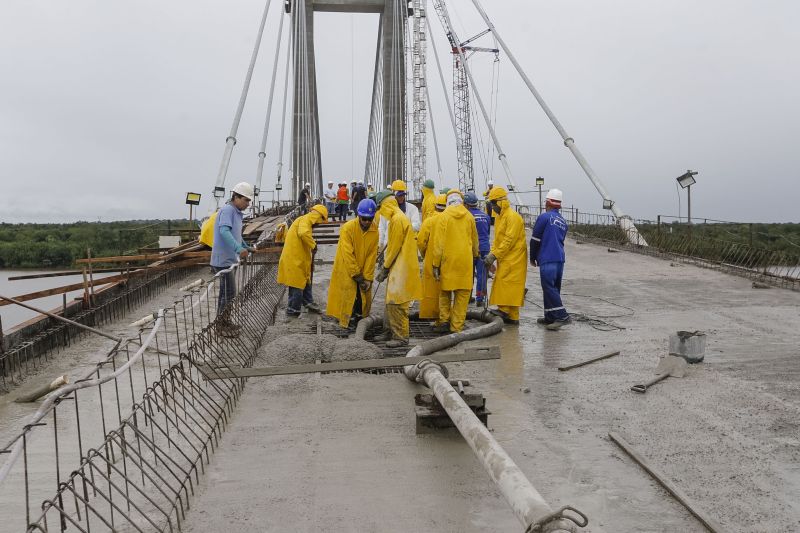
x=231 y=140
x=677 y=493
x=262 y=154
x=500 y=153
x=588 y=361
x=569 y=142
x=62 y=319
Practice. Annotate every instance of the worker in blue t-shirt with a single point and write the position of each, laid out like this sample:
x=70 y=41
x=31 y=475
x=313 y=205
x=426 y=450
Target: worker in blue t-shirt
x=483 y=223
x=547 y=251
x=227 y=250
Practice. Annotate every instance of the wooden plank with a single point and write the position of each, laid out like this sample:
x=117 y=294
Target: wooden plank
x=121 y=259
x=476 y=354
x=65 y=273
x=679 y=495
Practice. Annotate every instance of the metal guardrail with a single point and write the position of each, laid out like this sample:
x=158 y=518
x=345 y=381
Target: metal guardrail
x=124 y=447
x=774 y=267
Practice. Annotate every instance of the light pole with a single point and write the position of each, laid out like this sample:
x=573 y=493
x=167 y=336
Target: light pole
x=686 y=181
x=539 y=183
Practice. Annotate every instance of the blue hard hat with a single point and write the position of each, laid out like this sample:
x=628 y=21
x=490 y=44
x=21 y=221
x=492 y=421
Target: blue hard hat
x=470 y=199
x=366 y=208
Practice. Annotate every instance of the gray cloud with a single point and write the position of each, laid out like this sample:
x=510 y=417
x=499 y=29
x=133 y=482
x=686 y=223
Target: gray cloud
x=116 y=109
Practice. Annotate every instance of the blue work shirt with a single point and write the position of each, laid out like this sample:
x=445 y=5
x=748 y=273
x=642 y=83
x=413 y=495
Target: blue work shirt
x=547 y=242
x=224 y=253
x=484 y=223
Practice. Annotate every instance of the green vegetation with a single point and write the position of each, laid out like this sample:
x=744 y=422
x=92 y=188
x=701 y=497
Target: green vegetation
x=58 y=245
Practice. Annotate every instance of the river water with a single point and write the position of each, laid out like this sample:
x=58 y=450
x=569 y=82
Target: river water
x=12 y=315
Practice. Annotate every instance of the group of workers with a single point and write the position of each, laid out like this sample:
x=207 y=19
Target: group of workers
x=341 y=201
x=451 y=235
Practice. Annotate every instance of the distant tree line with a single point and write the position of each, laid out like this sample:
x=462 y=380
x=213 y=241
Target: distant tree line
x=59 y=245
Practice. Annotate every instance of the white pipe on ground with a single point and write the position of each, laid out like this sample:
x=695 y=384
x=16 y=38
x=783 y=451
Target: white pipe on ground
x=533 y=512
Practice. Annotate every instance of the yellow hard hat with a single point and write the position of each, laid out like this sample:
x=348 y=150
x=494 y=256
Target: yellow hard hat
x=398 y=185
x=441 y=199
x=497 y=193
x=454 y=191
x=322 y=210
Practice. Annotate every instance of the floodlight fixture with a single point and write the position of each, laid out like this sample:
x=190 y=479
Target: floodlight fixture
x=539 y=181
x=219 y=192
x=193 y=198
x=510 y=188
x=687 y=179
x=608 y=204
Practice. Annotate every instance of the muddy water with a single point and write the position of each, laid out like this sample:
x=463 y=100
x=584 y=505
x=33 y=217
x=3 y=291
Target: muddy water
x=12 y=315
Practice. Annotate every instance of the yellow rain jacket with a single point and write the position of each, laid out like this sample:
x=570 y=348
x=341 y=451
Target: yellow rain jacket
x=294 y=267
x=355 y=254
x=486 y=197
x=403 y=284
x=511 y=250
x=455 y=248
x=429 y=304
x=428 y=203
x=207 y=230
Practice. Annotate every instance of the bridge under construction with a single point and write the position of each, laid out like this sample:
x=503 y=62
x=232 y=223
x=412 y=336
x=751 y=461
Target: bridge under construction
x=127 y=410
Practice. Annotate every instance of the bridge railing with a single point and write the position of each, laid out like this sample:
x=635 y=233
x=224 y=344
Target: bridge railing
x=123 y=447
x=706 y=242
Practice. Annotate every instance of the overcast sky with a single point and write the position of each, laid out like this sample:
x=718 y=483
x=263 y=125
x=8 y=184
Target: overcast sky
x=114 y=110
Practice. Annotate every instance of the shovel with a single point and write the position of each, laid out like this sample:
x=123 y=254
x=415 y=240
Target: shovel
x=670 y=365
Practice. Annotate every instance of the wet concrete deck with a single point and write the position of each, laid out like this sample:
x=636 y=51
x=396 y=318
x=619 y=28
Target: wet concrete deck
x=339 y=452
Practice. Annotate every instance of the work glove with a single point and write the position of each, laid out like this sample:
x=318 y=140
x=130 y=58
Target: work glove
x=489 y=260
x=362 y=283
x=365 y=285
x=379 y=259
x=436 y=273
x=382 y=274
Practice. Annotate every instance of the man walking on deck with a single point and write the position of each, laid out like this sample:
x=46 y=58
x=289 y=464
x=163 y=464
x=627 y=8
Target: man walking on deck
x=295 y=264
x=349 y=294
x=228 y=247
x=483 y=225
x=547 y=251
x=454 y=251
x=401 y=267
x=330 y=197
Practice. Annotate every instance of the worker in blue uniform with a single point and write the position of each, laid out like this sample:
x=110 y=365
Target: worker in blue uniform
x=483 y=223
x=547 y=251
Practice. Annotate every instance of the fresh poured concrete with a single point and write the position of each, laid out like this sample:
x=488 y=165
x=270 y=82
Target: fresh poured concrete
x=339 y=452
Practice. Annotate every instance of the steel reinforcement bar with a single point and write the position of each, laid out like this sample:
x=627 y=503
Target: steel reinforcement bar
x=124 y=447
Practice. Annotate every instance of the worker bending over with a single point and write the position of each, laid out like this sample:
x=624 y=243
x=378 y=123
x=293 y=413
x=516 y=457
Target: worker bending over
x=227 y=249
x=429 y=304
x=483 y=225
x=547 y=251
x=295 y=264
x=454 y=251
x=510 y=252
x=428 y=199
x=408 y=209
x=401 y=267
x=349 y=294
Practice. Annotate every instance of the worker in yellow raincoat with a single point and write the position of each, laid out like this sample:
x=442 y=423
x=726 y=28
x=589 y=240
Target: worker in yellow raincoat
x=428 y=200
x=207 y=230
x=401 y=267
x=349 y=294
x=510 y=251
x=454 y=251
x=294 y=267
x=429 y=304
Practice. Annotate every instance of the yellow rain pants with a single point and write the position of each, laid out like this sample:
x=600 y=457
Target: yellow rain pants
x=511 y=250
x=429 y=304
x=453 y=308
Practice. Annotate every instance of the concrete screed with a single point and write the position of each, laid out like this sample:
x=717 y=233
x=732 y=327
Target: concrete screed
x=339 y=452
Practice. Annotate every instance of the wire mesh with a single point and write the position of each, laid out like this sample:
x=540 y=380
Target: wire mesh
x=127 y=451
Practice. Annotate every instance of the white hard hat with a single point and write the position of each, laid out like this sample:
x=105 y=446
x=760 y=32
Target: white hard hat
x=490 y=182
x=308 y=184
x=370 y=184
x=330 y=182
x=554 y=194
x=243 y=189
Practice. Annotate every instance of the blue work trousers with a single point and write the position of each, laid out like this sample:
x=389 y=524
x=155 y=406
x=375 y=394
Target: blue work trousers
x=298 y=298
x=551 y=274
x=481 y=277
x=227 y=289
